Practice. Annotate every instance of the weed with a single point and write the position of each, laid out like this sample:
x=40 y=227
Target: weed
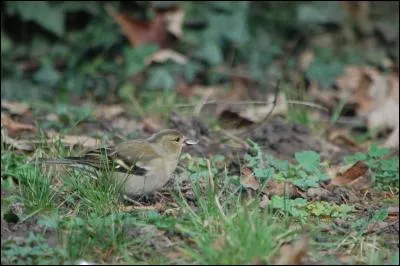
x=385 y=171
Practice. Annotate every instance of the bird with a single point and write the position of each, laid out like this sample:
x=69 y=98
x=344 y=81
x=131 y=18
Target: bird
x=141 y=166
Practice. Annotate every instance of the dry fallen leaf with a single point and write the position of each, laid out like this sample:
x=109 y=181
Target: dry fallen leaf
x=280 y=188
x=393 y=140
x=305 y=59
x=219 y=243
x=350 y=79
x=140 y=32
x=14 y=127
x=233 y=113
x=15 y=108
x=151 y=125
x=358 y=175
x=174 y=20
x=19 y=145
x=342 y=136
x=293 y=254
x=125 y=125
x=72 y=140
x=165 y=54
x=107 y=112
x=393 y=211
x=264 y=202
x=248 y=180
x=357 y=170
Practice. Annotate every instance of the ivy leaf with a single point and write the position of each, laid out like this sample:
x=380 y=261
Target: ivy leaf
x=263 y=173
x=48 y=75
x=358 y=156
x=160 y=79
x=210 y=52
x=49 y=16
x=309 y=160
x=135 y=57
x=326 y=73
x=381 y=214
x=377 y=152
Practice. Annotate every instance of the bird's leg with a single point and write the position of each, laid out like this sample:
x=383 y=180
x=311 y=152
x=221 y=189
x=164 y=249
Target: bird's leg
x=159 y=194
x=132 y=201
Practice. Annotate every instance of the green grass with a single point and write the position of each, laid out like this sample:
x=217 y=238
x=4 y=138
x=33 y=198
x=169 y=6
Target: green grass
x=218 y=224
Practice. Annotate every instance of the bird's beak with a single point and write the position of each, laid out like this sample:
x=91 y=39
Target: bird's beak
x=187 y=141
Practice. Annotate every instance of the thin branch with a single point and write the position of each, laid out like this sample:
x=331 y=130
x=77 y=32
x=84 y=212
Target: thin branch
x=201 y=104
x=309 y=104
x=276 y=93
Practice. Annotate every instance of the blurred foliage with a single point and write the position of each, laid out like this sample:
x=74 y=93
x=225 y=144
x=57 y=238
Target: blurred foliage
x=58 y=49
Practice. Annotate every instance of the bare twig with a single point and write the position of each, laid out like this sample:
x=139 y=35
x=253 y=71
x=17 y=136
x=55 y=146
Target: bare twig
x=309 y=104
x=276 y=93
x=210 y=174
x=201 y=104
x=235 y=138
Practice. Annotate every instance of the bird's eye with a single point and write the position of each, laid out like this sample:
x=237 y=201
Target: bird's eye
x=177 y=139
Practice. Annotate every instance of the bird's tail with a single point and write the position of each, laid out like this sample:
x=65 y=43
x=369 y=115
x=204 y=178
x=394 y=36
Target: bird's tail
x=66 y=161
x=74 y=162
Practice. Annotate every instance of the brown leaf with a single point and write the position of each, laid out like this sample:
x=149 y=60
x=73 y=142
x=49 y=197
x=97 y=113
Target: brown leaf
x=235 y=115
x=107 y=112
x=280 y=188
x=342 y=136
x=72 y=140
x=386 y=115
x=15 y=108
x=357 y=170
x=174 y=20
x=264 y=202
x=357 y=175
x=305 y=59
x=219 y=243
x=319 y=193
x=140 y=32
x=393 y=211
x=184 y=89
x=14 y=127
x=293 y=254
x=19 y=145
x=248 y=180
x=165 y=54
x=125 y=125
x=151 y=125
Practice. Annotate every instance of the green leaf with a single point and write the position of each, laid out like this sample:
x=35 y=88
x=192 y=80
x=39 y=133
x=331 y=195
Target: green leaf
x=160 y=79
x=47 y=15
x=309 y=160
x=48 y=222
x=126 y=91
x=135 y=58
x=6 y=43
x=377 y=152
x=358 y=156
x=263 y=173
x=381 y=214
x=321 y=13
x=47 y=75
x=326 y=73
x=210 y=52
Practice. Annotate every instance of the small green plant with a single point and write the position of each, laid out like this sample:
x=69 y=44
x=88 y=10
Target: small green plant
x=33 y=251
x=308 y=173
x=385 y=171
x=96 y=234
x=302 y=209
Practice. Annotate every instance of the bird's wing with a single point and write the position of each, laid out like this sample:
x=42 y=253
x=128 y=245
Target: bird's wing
x=127 y=157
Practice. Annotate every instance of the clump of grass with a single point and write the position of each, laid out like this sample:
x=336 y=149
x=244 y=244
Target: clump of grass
x=88 y=195
x=224 y=230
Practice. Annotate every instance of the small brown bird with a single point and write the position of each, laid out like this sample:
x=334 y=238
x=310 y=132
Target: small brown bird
x=142 y=166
